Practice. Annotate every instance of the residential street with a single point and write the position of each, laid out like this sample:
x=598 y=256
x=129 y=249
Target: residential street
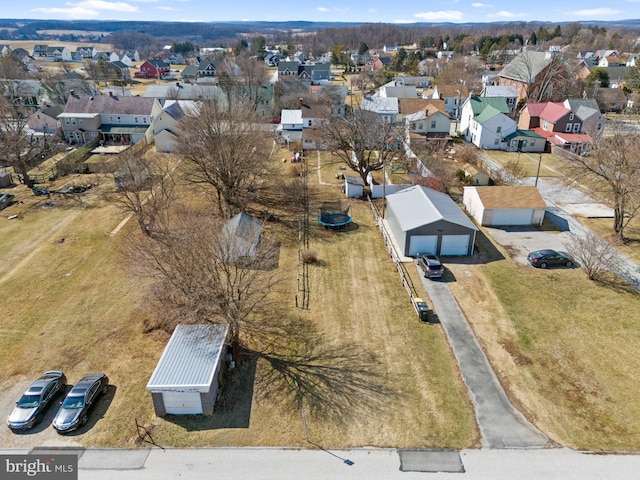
x=364 y=464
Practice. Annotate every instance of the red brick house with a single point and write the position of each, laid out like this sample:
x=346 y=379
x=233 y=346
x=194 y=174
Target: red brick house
x=155 y=68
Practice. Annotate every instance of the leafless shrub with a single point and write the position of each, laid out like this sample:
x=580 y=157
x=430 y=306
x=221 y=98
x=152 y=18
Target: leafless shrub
x=594 y=253
x=309 y=257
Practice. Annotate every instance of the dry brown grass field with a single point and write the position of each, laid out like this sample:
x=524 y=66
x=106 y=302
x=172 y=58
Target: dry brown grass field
x=564 y=348
x=71 y=302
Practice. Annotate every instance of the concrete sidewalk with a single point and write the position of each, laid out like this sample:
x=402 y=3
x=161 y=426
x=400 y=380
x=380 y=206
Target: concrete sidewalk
x=363 y=464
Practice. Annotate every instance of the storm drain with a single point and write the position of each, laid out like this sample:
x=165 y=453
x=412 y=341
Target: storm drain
x=431 y=461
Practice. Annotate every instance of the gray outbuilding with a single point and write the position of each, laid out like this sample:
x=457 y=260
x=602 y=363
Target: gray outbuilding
x=187 y=377
x=423 y=220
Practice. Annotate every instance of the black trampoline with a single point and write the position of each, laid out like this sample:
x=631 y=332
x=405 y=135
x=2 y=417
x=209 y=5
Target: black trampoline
x=334 y=216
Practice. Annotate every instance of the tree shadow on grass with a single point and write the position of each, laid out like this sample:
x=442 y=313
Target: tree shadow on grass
x=332 y=380
x=233 y=408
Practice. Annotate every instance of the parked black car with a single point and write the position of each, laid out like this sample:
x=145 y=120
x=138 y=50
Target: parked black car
x=32 y=404
x=431 y=265
x=74 y=410
x=549 y=258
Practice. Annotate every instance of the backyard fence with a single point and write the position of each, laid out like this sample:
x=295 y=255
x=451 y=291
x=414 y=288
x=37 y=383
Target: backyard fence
x=303 y=289
x=407 y=283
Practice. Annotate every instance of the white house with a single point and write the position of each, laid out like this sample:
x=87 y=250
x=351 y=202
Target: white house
x=504 y=205
x=166 y=125
x=490 y=129
x=385 y=107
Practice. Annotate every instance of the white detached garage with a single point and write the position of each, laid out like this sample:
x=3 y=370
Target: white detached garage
x=186 y=379
x=504 y=205
x=423 y=220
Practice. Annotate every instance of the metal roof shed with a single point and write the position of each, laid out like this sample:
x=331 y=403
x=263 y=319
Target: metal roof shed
x=423 y=220
x=186 y=379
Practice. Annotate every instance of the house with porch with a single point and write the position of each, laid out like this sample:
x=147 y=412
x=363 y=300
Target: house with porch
x=557 y=123
x=110 y=118
x=489 y=129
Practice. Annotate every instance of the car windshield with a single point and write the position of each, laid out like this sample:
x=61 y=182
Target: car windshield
x=73 y=402
x=29 y=401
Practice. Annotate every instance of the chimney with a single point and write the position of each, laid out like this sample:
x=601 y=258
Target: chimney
x=300 y=102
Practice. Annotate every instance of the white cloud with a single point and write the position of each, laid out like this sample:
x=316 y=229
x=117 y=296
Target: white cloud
x=446 y=15
x=594 y=12
x=87 y=8
x=481 y=5
x=506 y=14
x=322 y=9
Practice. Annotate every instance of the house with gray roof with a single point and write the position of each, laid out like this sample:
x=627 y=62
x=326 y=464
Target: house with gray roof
x=526 y=72
x=385 y=107
x=167 y=124
x=108 y=117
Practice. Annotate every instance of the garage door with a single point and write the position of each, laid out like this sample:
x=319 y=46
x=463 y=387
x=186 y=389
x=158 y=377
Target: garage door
x=512 y=216
x=182 y=403
x=422 y=244
x=454 y=245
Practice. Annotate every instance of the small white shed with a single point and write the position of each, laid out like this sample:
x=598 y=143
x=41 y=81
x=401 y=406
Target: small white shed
x=353 y=186
x=504 y=205
x=187 y=377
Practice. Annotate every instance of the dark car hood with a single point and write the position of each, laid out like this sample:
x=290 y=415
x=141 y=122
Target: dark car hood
x=20 y=415
x=66 y=416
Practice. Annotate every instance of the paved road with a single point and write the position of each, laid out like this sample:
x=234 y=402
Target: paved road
x=363 y=464
x=500 y=424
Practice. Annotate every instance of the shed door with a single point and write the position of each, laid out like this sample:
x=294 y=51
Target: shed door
x=182 y=403
x=422 y=244
x=454 y=245
x=512 y=216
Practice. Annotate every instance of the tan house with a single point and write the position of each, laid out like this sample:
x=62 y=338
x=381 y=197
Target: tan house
x=477 y=176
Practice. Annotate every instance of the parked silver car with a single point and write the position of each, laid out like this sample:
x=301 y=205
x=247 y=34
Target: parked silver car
x=32 y=404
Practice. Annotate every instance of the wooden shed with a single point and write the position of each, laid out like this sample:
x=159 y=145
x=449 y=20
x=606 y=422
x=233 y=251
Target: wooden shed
x=187 y=377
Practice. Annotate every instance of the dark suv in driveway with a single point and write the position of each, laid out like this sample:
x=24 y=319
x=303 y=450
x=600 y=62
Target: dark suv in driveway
x=431 y=265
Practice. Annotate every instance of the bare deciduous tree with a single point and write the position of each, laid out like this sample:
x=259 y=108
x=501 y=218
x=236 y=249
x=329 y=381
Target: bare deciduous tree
x=206 y=273
x=145 y=188
x=361 y=140
x=223 y=150
x=594 y=254
x=612 y=169
x=21 y=147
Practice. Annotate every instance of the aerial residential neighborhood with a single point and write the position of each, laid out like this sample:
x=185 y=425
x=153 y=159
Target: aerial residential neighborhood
x=320 y=240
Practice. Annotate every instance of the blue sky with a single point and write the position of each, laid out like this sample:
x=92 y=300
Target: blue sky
x=456 y=11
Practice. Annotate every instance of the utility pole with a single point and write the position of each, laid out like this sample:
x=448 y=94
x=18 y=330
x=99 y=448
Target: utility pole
x=538 y=172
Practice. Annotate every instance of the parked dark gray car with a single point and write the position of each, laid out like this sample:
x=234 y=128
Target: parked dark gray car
x=431 y=265
x=74 y=410
x=31 y=405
